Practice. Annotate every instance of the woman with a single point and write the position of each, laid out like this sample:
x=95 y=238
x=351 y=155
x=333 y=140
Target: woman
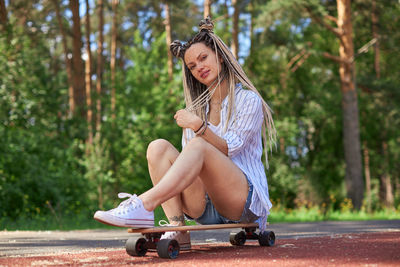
x=219 y=176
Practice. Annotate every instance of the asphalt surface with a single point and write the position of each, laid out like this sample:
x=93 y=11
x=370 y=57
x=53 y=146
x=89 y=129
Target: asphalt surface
x=30 y=243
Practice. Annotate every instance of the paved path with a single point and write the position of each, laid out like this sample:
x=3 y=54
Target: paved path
x=24 y=243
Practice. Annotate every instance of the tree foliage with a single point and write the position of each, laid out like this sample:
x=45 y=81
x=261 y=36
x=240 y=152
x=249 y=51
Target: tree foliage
x=47 y=166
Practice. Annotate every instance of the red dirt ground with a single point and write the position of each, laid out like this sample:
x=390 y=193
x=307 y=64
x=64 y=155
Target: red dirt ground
x=368 y=249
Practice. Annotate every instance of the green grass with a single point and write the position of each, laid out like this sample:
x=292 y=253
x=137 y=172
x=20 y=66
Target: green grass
x=314 y=214
x=85 y=221
x=65 y=222
x=50 y=222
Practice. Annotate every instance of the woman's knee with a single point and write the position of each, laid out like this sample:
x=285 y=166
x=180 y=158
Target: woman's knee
x=156 y=149
x=197 y=143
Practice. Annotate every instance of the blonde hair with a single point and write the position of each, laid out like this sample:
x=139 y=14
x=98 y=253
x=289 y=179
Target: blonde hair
x=197 y=95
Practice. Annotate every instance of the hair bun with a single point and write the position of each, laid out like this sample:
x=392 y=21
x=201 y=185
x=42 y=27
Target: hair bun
x=177 y=49
x=206 y=24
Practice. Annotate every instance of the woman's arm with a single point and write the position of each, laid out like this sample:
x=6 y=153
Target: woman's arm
x=186 y=119
x=246 y=123
x=216 y=141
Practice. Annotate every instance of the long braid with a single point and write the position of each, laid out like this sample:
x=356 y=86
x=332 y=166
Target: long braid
x=197 y=95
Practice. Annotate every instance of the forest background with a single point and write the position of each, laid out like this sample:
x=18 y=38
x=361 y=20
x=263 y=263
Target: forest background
x=86 y=85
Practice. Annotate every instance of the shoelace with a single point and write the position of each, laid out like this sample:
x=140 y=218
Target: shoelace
x=163 y=223
x=167 y=235
x=131 y=202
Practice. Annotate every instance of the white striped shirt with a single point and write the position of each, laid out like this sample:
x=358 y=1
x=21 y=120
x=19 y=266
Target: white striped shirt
x=243 y=137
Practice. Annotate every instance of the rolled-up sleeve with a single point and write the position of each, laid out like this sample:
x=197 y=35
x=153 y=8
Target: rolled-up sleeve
x=187 y=135
x=246 y=124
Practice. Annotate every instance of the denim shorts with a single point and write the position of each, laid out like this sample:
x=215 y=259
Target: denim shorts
x=212 y=216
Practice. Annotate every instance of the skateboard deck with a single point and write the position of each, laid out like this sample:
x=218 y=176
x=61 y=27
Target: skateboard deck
x=201 y=227
x=169 y=248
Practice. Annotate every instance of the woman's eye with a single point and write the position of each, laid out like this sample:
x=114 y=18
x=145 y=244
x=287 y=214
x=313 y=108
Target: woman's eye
x=204 y=57
x=191 y=68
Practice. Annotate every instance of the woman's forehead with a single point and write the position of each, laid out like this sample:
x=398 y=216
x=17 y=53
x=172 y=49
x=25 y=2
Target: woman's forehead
x=194 y=51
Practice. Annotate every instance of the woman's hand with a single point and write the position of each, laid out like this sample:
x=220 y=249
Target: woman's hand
x=186 y=119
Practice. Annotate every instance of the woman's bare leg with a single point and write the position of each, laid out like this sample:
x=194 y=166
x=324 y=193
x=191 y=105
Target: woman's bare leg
x=160 y=156
x=223 y=180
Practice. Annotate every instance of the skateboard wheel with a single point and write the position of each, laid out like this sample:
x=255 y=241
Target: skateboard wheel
x=266 y=238
x=136 y=246
x=168 y=248
x=238 y=239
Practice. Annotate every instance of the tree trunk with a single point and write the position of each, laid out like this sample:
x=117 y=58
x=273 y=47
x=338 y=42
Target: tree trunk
x=113 y=55
x=99 y=71
x=367 y=175
x=71 y=101
x=235 y=29
x=251 y=30
x=351 y=130
x=167 y=24
x=21 y=11
x=88 y=77
x=77 y=62
x=226 y=11
x=250 y=58
x=282 y=145
x=375 y=34
x=386 y=191
x=397 y=186
x=207 y=8
x=100 y=194
x=3 y=15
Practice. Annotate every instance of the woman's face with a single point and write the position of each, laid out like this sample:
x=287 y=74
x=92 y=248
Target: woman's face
x=202 y=63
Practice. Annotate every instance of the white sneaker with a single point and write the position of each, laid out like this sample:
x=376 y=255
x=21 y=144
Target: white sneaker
x=183 y=238
x=129 y=213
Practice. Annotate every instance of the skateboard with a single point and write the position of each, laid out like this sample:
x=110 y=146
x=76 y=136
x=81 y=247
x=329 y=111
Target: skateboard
x=169 y=248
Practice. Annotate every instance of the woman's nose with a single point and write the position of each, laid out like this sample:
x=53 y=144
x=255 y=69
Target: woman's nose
x=200 y=67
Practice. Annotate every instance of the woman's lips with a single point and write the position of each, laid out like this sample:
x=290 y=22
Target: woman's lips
x=204 y=74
